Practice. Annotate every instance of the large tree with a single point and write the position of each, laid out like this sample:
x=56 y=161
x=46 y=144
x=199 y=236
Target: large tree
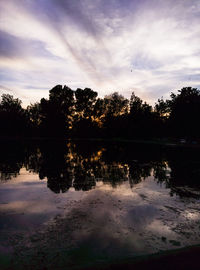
x=185 y=111
x=115 y=115
x=85 y=102
x=54 y=115
x=13 y=118
x=142 y=118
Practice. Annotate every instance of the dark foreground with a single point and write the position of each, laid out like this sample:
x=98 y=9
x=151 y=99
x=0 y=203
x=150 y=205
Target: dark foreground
x=182 y=259
x=187 y=258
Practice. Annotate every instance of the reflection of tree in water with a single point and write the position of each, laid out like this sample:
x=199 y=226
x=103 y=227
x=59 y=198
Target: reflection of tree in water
x=9 y=171
x=161 y=172
x=79 y=167
x=91 y=169
x=185 y=173
x=115 y=173
x=82 y=165
x=50 y=160
x=11 y=160
x=138 y=172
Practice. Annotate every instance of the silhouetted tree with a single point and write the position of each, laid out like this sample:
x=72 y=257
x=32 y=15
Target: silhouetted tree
x=180 y=113
x=99 y=111
x=13 y=118
x=163 y=108
x=35 y=117
x=85 y=101
x=81 y=114
x=115 y=105
x=56 y=114
x=184 y=112
x=84 y=120
x=115 y=115
x=142 y=118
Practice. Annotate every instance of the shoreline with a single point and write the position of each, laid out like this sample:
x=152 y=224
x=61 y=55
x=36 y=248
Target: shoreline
x=159 y=142
x=182 y=259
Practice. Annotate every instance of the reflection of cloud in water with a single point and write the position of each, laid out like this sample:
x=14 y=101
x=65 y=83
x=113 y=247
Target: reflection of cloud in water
x=141 y=215
x=157 y=227
x=107 y=220
x=97 y=223
x=26 y=201
x=191 y=215
x=114 y=200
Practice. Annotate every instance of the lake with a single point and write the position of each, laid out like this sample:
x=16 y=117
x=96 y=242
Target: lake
x=80 y=203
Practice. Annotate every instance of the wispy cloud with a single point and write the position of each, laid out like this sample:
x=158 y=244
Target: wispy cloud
x=151 y=47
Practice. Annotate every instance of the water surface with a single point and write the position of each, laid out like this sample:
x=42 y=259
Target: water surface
x=99 y=200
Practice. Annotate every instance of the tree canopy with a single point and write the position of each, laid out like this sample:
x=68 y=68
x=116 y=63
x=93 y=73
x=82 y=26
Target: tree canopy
x=81 y=113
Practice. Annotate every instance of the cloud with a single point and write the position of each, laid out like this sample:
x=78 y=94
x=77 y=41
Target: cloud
x=150 y=46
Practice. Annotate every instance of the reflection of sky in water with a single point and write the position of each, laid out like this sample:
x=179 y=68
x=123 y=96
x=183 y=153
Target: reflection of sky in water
x=141 y=219
x=26 y=202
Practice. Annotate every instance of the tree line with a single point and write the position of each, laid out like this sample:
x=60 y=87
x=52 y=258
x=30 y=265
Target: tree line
x=81 y=113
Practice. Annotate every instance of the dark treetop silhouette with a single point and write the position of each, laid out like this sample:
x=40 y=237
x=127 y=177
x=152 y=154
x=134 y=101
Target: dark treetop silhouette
x=80 y=114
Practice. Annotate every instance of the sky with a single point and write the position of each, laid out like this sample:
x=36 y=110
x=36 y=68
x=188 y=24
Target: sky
x=150 y=47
